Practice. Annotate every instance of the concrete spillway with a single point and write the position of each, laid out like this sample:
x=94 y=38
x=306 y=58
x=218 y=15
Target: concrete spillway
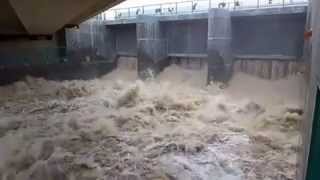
x=219 y=37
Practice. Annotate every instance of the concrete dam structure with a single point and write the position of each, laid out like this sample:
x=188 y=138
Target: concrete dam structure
x=182 y=90
x=266 y=42
x=33 y=38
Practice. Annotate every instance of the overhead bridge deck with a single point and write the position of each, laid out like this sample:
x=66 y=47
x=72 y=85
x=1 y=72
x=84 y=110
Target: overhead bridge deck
x=44 y=17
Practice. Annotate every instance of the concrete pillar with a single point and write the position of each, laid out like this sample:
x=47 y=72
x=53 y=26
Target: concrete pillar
x=60 y=37
x=104 y=42
x=109 y=49
x=152 y=47
x=219 y=45
x=92 y=41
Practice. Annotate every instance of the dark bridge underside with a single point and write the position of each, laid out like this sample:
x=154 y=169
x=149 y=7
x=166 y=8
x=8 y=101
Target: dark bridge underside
x=44 y=17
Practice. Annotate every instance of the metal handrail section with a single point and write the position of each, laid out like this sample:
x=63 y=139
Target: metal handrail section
x=192 y=6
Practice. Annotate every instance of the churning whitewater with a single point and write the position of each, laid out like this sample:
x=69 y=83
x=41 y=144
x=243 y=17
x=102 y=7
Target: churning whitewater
x=172 y=127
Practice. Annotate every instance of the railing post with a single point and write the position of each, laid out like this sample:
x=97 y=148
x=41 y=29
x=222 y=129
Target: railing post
x=283 y=3
x=142 y=10
x=191 y=7
x=258 y=3
x=115 y=14
x=209 y=4
x=128 y=12
x=176 y=7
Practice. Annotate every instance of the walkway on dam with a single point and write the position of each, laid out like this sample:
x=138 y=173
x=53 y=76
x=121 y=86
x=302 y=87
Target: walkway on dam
x=194 y=7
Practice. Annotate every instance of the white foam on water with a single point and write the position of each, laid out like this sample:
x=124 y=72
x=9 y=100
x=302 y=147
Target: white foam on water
x=172 y=127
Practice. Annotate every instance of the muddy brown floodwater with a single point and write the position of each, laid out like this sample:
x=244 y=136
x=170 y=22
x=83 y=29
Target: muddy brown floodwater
x=169 y=128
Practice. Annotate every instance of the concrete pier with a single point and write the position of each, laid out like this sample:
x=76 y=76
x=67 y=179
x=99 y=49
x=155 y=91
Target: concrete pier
x=91 y=42
x=152 y=47
x=219 y=45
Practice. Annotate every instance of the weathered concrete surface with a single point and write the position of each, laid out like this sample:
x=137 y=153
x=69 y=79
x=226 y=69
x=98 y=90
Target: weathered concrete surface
x=186 y=37
x=58 y=71
x=26 y=53
x=268 y=34
x=10 y=23
x=152 y=47
x=125 y=39
x=183 y=17
x=237 y=13
x=22 y=55
x=312 y=89
x=41 y=17
x=264 y=34
x=219 y=45
x=271 y=11
x=45 y=59
x=90 y=42
x=269 y=69
x=71 y=54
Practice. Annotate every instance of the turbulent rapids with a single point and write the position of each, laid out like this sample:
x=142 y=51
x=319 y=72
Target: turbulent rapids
x=172 y=127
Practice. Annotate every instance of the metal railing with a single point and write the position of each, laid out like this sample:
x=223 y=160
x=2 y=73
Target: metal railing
x=194 y=6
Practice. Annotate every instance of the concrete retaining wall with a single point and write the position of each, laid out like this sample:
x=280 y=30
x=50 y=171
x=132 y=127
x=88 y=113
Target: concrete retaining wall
x=44 y=59
x=269 y=69
x=28 y=53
